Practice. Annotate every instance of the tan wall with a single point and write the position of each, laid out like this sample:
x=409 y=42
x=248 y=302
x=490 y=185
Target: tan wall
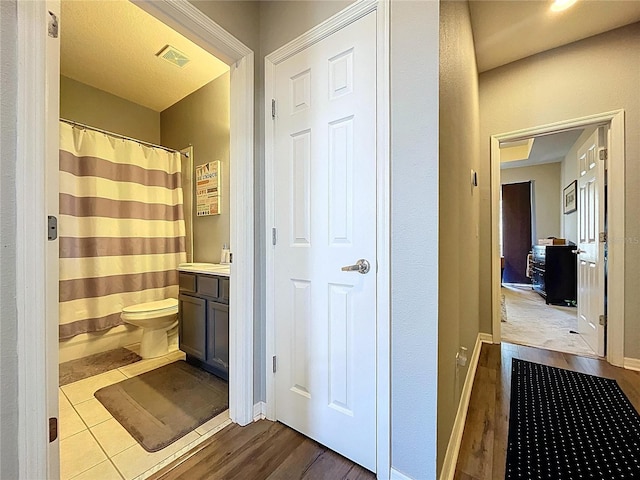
x=546 y=195
x=595 y=75
x=91 y=106
x=459 y=204
x=202 y=120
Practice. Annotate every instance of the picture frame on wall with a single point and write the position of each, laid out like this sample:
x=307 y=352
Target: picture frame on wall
x=570 y=198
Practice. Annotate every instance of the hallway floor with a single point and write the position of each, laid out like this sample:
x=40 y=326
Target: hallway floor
x=530 y=321
x=483 y=450
x=94 y=446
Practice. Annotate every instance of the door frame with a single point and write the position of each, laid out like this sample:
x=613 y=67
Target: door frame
x=342 y=19
x=615 y=219
x=37 y=326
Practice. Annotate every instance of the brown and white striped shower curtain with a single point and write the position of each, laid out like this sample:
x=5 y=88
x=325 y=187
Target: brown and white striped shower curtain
x=121 y=227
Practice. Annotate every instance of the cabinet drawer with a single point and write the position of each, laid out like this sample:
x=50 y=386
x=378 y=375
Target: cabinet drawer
x=187 y=282
x=208 y=286
x=224 y=290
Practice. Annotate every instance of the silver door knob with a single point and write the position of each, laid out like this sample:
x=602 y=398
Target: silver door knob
x=578 y=251
x=362 y=266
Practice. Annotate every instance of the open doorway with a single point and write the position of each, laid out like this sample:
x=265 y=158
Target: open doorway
x=544 y=309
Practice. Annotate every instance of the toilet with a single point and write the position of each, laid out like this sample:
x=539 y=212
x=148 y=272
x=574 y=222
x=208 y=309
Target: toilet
x=155 y=319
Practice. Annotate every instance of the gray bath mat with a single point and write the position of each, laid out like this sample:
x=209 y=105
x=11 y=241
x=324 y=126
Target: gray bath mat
x=86 y=367
x=161 y=406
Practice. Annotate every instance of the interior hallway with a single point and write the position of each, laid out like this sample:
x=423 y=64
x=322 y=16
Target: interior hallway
x=483 y=448
x=530 y=321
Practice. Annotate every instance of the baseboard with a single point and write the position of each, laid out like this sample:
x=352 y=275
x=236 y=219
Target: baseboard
x=632 y=364
x=87 y=344
x=397 y=475
x=453 y=448
x=259 y=411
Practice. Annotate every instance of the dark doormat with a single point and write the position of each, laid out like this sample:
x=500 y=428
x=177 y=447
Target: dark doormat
x=569 y=425
x=161 y=406
x=86 y=367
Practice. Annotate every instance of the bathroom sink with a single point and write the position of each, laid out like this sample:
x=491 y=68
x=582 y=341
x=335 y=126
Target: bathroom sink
x=199 y=267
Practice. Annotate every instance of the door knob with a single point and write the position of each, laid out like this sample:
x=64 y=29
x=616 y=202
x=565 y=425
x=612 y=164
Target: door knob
x=362 y=266
x=578 y=251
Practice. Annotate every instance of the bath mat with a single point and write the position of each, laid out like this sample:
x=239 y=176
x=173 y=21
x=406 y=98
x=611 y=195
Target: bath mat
x=86 y=367
x=161 y=406
x=503 y=309
x=569 y=425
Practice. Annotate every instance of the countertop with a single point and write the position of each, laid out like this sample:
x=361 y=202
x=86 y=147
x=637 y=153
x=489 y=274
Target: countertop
x=206 y=268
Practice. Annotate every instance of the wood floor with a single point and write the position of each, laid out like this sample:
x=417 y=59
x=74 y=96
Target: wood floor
x=263 y=450
x=483 y=450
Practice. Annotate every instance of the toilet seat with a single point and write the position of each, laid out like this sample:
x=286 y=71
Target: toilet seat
x=159 y=308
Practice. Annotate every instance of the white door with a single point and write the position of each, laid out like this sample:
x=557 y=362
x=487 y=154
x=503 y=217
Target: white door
x=325 y=215
x=591 y=251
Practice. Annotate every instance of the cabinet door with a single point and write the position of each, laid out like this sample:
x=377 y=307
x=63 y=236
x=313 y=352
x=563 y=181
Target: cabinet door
x=218 y=337
x=193 y=313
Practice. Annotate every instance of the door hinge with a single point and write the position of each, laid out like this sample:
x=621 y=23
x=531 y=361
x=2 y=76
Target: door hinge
x=274 y=236
x=274 y=363
x=603 y=237
x=603 y=154
x=52 y=28
x=53 y=429
x=52 y=227
x=273 y=108
x=603 y=320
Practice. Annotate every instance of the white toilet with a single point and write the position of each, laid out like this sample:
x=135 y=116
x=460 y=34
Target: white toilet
x=156 y=319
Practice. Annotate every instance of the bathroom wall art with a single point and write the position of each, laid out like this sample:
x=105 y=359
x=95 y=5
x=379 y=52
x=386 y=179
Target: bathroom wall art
x=208 y=189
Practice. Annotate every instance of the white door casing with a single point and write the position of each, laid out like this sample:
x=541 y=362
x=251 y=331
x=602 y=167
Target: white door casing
x=591 y=251
x=325 y=216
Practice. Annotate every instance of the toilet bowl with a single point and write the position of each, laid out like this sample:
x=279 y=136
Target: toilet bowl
x=155 y=319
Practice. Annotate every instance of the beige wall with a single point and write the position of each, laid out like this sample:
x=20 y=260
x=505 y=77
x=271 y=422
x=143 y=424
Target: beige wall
x=595 y=75
x=202 y=120
x=459 y=208
x=91 y=106
x=546 y=195
x=9 y=429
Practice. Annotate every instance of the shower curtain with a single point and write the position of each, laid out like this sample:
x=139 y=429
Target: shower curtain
x=121 y=227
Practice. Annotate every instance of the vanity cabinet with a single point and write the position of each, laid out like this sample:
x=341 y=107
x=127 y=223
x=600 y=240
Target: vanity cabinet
x=203 y=314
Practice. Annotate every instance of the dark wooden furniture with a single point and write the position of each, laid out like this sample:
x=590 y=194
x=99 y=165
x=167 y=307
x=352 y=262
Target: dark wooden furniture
x=554 y=273
x=203 y=313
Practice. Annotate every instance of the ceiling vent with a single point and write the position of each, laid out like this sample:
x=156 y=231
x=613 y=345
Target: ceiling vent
x=173 y=56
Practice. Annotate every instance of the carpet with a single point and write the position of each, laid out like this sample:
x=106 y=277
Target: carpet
x=503 y=309
x=569 y=425
x=161 y=406
x=86 y=367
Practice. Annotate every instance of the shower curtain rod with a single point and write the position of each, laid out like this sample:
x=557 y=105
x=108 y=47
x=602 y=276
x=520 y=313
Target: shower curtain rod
x=117 y=135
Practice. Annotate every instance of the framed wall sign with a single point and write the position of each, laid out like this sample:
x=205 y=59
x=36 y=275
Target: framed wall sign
x=570 y=198
x=208 y=189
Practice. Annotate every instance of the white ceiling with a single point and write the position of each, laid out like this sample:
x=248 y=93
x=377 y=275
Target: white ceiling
x=506 y=31
x=548 y=149
x=112 y=45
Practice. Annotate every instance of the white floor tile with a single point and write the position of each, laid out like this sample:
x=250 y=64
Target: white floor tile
x=69 y=422
x=92 y=412
x=83 y=390
x=135 y=460
x=78 y=454
x=147 y=365
x=213 y=423
x=112 y=437
x=102 y=471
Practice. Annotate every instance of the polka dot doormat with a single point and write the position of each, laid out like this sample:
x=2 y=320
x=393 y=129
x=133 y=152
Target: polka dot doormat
x=567 y=425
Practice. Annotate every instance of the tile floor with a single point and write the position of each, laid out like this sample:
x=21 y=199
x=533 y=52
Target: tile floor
x=94 y=446
x=530 y=321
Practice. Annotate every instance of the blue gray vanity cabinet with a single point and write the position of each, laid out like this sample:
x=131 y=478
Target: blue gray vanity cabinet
x=204 y=321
